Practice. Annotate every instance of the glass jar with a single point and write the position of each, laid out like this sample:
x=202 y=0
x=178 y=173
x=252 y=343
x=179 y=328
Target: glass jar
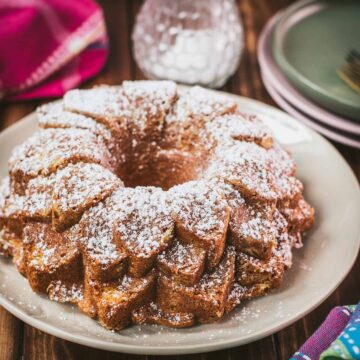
x=188 y=41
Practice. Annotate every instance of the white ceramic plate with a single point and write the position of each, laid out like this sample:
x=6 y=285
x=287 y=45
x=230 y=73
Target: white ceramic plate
x=329 y=185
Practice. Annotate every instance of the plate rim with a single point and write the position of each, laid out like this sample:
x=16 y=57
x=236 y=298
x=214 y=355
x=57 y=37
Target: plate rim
x=286 y=106
x=203 y=347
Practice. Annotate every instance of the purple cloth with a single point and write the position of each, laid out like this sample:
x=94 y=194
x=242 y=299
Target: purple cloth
x=322 y=338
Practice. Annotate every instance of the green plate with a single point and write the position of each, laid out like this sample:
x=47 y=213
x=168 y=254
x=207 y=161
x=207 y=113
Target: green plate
x=311 y=41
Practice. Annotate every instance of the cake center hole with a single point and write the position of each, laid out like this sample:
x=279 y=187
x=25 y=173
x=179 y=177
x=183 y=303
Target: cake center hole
x=164 y=169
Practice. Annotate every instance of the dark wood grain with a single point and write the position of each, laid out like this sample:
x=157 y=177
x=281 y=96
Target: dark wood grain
x=11 y=336
x=22 y=341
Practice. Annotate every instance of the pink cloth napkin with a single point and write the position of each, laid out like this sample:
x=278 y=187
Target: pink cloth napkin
x=49 y=46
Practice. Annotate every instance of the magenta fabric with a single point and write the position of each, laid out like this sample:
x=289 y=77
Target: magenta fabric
x=49 y=46
x=328 y=331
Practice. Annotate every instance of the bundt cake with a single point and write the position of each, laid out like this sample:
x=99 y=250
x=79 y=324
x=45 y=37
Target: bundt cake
x=146 y=203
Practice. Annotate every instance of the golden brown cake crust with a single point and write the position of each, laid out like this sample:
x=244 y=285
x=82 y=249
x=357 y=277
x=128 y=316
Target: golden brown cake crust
x=144 y=203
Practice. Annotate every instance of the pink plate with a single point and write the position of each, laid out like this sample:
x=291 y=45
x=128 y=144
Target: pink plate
x=283 y=87
x=298 y=114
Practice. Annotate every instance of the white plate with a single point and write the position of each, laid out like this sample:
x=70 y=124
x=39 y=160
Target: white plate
x=293 y=96
x=329 y=185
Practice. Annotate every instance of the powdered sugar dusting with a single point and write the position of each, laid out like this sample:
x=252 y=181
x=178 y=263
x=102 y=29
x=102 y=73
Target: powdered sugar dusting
x=71 y=189
x=53 y=115
x=103 y=102
x=258 y=226
x=144 y=222
x=80 y=182
x=200 y=207
x=198 y=102
x=224 y=272
x=47 y=150
x=244 y=164
x=35 y=204
x=183 y=258
x=61 y=292
x=158 y=95
x=229 y=128
x=62 y=184
x=95 y=230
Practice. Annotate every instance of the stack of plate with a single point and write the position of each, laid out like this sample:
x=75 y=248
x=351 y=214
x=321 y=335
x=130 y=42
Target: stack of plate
x=299 y=51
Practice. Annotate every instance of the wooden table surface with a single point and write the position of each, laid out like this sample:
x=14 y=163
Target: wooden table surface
x=18 y=340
